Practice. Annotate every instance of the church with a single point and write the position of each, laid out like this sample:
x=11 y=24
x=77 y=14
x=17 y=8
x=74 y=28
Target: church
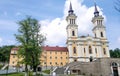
x=89 y=56
x=84 y=55
x=81 y=48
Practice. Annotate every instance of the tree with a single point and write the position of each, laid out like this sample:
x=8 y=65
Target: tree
x=5 y=53
x=115 y=53
x=31 y=41
x=117 y=6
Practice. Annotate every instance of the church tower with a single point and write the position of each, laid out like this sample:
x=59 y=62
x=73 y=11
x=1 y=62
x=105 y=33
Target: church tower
x=99 y=31
x=99 y=28
x=72 y=34
x=82 y=48
x=72 y=28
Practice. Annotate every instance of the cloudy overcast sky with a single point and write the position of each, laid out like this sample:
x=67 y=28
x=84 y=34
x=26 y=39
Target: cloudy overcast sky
x=51 y=14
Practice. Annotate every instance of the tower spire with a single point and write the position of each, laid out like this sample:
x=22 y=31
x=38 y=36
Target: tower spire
x=96 y=12
x=70 y=9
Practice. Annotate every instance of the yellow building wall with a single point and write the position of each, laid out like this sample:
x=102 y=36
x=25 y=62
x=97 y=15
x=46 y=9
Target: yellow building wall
x=54 y=58
x=48 y=58
x=13 y=58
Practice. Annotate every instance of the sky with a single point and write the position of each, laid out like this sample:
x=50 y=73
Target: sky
x=51 y=14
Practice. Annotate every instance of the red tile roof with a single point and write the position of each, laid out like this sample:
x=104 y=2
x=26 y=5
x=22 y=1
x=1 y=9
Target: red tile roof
x=50 y=48
x=15 y=48
x=55 y=48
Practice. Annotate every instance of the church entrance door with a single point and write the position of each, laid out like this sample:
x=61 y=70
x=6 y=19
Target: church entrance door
x=115 y=71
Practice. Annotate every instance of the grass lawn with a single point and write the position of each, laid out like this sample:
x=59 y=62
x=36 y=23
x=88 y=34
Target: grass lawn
x=46 y=71
x=16 y=74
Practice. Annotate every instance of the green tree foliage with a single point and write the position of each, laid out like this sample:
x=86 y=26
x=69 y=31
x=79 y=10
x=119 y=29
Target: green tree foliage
x=31 y=41
x=5 y=53
x=115 y=53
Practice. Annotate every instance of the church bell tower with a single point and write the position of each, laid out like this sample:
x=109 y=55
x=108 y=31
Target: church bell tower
x=72 y=34
x=99 y=28
x=99 y=31
x=72 y=28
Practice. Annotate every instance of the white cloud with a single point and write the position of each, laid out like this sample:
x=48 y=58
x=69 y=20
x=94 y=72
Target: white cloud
x=55 y=29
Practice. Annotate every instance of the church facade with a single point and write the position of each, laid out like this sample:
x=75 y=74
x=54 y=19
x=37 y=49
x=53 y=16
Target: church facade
x=81 y=48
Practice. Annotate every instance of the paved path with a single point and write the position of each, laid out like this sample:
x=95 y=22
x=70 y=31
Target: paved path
x=9 y=71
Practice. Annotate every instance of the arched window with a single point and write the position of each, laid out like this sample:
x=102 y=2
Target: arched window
x=90 y=50
x=61 y=63
x=73 y=33
x=84 y=50
x=114 y=64
x=104 y=51
x=96 y=50
x=95 y=34
x=70 y=21
x=74 y=50
x=115 y=69
x=101 y=34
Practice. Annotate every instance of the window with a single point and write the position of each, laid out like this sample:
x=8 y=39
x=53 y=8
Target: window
x=44 y=52
x=61 y=52
x=55 y=52
x=56 y=63
x=61 y=57
x=95 y=34
x=14 y=52
x=96 y=50
x=50 y=57
x=66 y=57
x=13 y=56
x=13 y=62
x=61 y=63
x=50 y=52
x=84 y=50
x=73 y=33
x=44 y=62
x=74 y=50
x=101 y=34
x=104 y=51
x=50 y=62
x=66 y=53
x=114 y=64
x=70 y=21
x=55 y=57
x=90 y=50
